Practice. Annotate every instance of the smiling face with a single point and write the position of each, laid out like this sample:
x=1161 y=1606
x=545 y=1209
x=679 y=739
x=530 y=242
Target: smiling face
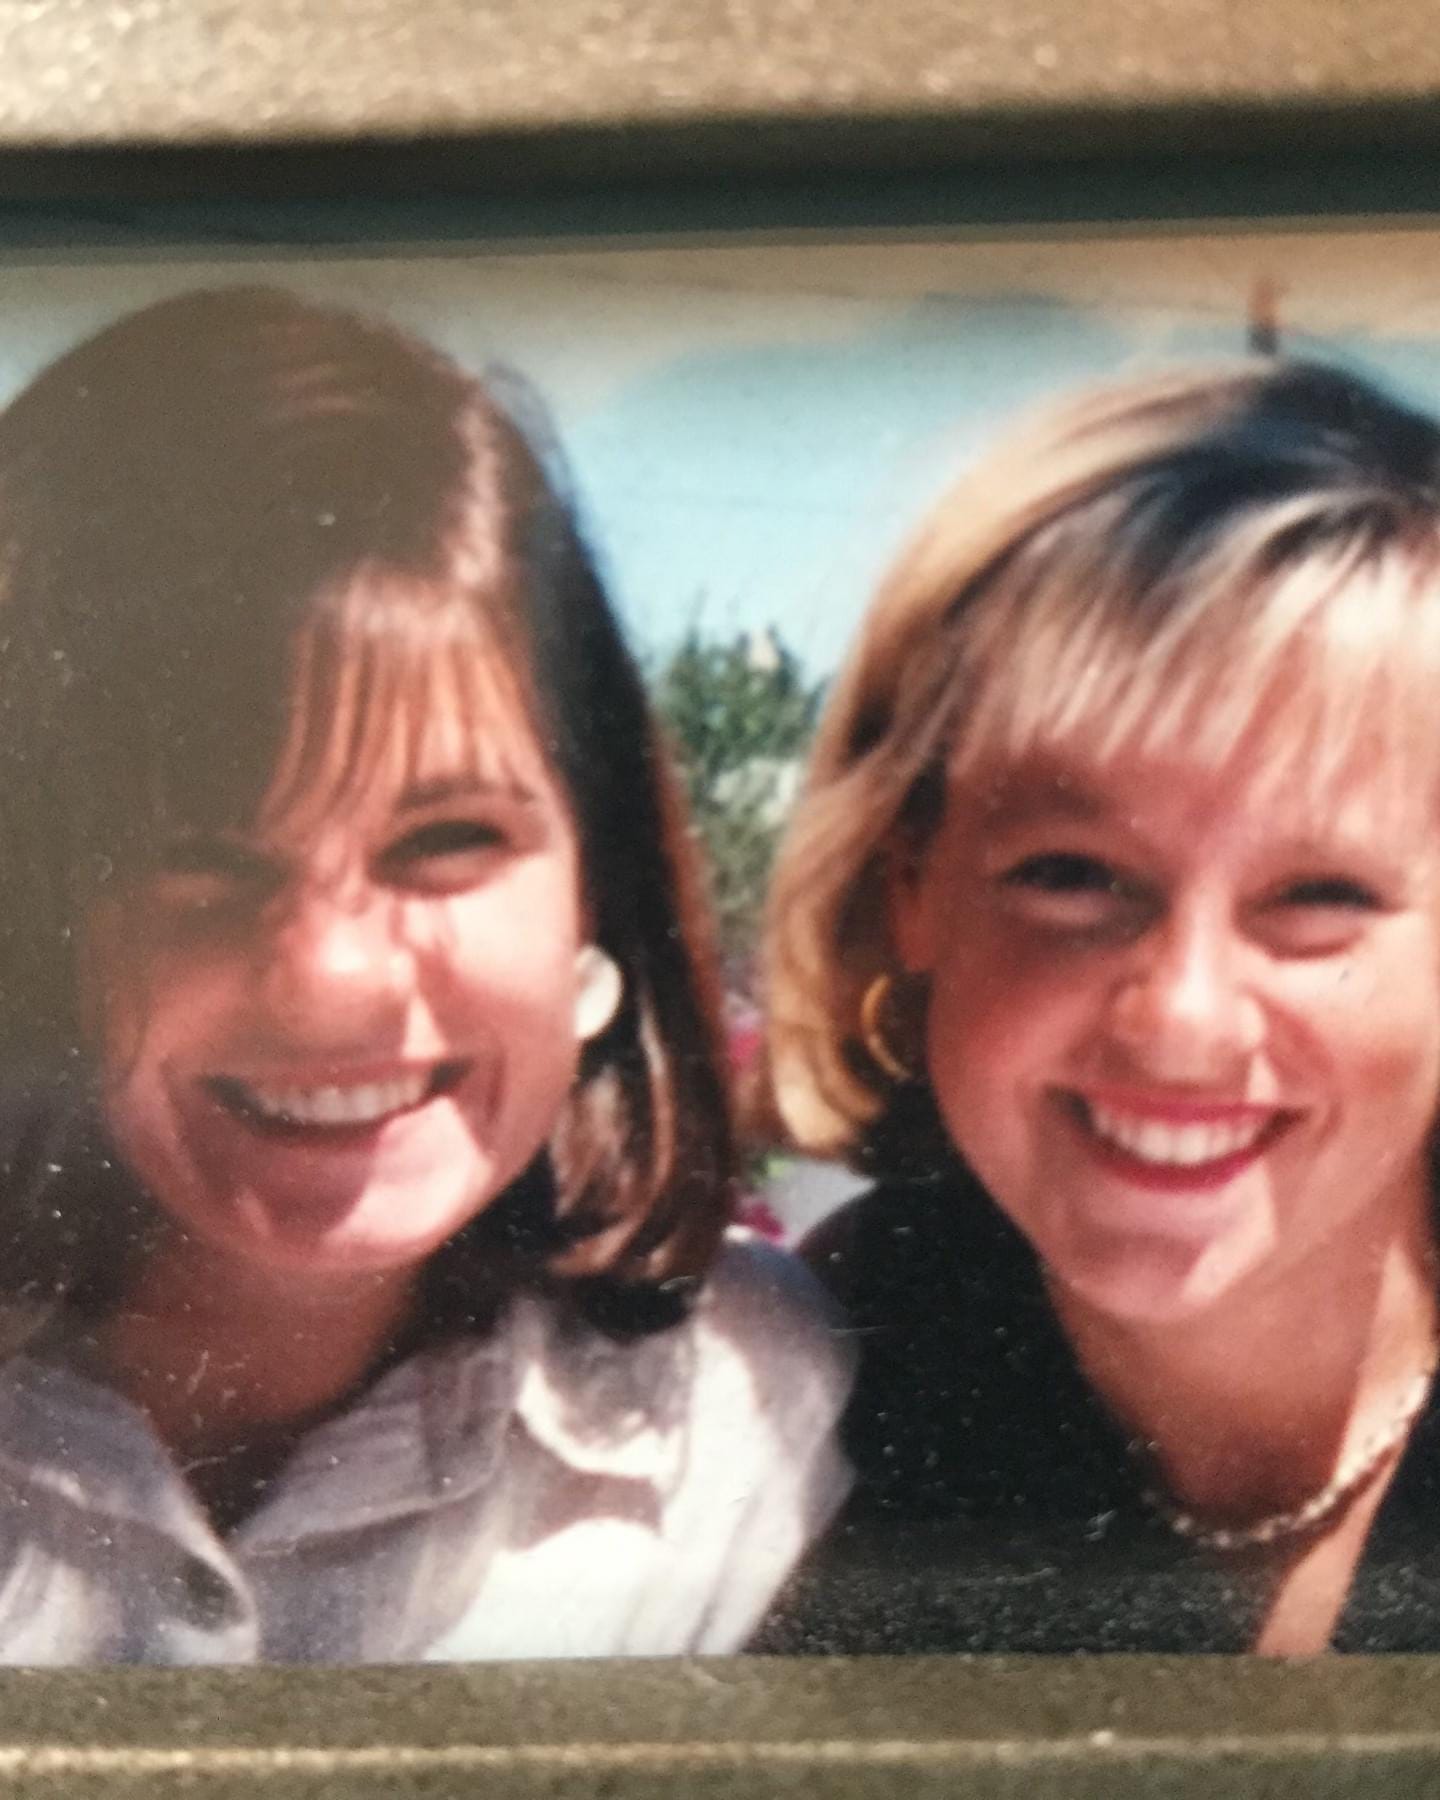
x=327 y=1043
x=1183 y=1024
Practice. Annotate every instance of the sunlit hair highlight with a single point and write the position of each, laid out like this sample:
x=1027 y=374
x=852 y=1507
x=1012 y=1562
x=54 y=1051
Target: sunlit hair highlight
x=1236 y=563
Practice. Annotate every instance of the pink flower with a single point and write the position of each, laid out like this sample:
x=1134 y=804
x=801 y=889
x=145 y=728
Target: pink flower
x=758 y=1216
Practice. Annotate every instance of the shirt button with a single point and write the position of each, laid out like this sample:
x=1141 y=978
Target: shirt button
x=208 y=1597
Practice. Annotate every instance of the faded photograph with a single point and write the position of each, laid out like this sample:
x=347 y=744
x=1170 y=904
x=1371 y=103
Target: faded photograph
x=720 y=947
x=1106 y=941
x=367 y=1152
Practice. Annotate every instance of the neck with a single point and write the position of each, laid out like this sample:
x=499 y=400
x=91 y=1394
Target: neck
x=217 y=1356
x=1251 y=1406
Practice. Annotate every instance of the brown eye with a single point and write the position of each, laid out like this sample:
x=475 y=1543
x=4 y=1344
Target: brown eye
x=209 y=856
x=446 y=837
x=455 y=836
x=1065 y=872
x=445 y=855
x=1320 y=915
x=1332 y=891
x=1071 y=890
x=205 y=872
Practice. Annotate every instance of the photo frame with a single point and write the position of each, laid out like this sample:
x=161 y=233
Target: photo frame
x=1101 y=1727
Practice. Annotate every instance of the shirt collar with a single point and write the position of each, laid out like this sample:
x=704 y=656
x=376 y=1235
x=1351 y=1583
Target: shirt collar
x=429 y=1431
x=600 y=1406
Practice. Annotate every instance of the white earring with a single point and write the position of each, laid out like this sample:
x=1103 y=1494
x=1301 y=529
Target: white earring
x=598 y=988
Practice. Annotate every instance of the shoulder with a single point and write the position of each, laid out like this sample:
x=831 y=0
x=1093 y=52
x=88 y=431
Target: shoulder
x=894 y=1234
x=761 y=1353
x=773 y=1369
x=763 y=1308
x=763 y=1298
x=830 y=1250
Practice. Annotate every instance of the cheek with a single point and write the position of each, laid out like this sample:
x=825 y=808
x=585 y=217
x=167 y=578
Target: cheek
x=510 y=953
x=145 y=1008
x=1379 y=1021
x=1389 y=1055
x=1003 y=1014
x=993 y=1043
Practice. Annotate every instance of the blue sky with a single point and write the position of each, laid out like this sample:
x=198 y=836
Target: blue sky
x=749 y=449
x=746 y=487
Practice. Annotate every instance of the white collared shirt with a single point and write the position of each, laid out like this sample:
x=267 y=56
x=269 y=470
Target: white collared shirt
x=543 y=1491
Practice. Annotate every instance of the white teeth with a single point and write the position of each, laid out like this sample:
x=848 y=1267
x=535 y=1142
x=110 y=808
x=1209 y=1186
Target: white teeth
x=1178 y=1146
x=364 y=1104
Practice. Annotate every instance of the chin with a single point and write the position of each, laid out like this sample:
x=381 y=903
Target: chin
x=1151 y=1281
x=382 y=1231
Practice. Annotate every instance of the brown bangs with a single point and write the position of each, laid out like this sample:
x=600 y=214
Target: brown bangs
x=377 y=663
x=299 y=725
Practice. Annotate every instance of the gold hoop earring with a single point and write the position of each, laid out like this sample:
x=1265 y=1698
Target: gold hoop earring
x=872 y=1029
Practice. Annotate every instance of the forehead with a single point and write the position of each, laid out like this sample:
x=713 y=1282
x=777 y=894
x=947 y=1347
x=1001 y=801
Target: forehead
x=1259 y=799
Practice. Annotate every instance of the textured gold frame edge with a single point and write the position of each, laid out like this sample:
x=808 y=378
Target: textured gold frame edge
x=1004 y=1727
x=914 y=75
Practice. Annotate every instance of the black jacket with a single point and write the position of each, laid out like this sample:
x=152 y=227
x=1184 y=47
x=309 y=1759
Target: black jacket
x=999 y=1508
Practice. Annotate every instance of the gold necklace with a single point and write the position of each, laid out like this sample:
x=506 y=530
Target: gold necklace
x=1353 y=1473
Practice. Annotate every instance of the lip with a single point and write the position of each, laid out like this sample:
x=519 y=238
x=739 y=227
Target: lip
x=1194 y=1178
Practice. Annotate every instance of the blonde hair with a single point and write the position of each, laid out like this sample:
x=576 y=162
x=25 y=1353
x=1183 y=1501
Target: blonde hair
x=1157 y=563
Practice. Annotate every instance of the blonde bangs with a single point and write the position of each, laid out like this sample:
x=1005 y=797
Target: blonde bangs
x=376 y=666
x=1325 y=658
x=1233 y=567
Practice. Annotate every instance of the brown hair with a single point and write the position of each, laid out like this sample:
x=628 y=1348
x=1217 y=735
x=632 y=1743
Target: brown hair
x=241 y=535
x=1163 y=561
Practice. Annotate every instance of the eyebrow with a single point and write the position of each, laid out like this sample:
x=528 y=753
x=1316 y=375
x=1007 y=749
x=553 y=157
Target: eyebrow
x=1027 y=795
x=465 y=786
x=1032 y=795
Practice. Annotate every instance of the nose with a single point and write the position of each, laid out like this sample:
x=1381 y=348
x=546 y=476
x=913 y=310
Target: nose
x=334 y=961
x=1188 y=1007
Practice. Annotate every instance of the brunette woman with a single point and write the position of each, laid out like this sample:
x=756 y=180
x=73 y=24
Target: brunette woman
x=366 y=1154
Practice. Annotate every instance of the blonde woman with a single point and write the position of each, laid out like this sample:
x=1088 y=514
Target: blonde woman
x=1107 y=939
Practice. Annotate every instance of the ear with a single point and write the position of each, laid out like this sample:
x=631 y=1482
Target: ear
x=599 y=988
x=910 y=909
